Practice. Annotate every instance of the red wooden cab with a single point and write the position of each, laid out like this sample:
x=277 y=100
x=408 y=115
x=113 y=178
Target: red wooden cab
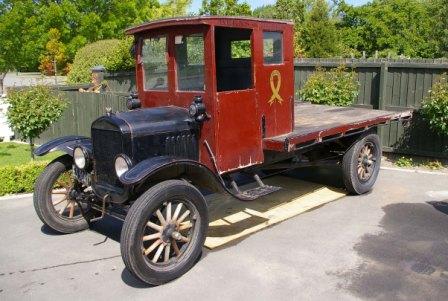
x=243 y=69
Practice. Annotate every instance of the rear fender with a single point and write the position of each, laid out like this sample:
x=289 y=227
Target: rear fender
x=64 y=144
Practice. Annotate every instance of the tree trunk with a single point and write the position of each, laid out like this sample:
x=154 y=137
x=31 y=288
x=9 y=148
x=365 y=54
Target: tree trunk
x=2 y=77
x=32 y=148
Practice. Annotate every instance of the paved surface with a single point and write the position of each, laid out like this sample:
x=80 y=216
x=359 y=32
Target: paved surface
x=388 y=245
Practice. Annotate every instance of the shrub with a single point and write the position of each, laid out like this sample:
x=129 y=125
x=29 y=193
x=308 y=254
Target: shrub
x=113 y=54
x=20 y=178
x=404 y=162
x=336 y=87
x=435 y=106
x=33 y=109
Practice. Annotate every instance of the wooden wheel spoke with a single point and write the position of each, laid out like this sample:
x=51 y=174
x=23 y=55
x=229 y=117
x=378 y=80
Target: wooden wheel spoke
x=153 y=246
x=168 y=212
x=177 y=211
x=167 y=252
x=158 y=252
x=161 y=218
x=65 y=207
x=72 y=210
x=175 y=247
x=184 y=216
x=154 y=226
x=59 y=201
x=185 y=226
x=151 y=236
x=183 y=238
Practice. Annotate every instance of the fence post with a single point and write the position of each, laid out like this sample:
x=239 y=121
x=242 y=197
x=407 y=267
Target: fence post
x=384 y=71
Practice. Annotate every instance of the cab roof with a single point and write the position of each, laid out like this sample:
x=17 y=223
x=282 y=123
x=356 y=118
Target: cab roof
x=204 y=20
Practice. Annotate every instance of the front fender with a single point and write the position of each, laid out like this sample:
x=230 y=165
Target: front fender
x=198 y=173
x=64 y=144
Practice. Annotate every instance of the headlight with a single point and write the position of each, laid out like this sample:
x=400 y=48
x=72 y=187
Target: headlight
x=122 y=165
x=80 y=157
x=192 y=110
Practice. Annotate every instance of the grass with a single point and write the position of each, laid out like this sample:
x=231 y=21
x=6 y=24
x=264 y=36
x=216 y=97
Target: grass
x=13 y=153
x=404 y=162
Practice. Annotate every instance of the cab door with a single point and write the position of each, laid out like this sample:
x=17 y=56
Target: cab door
x=238 y=132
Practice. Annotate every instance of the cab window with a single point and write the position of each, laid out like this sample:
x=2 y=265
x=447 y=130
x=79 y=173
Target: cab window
x=272 y=47
x=155 y=65
x=189 y=55
x=233 y=58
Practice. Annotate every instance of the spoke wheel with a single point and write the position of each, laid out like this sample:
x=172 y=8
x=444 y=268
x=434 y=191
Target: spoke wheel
x=168 y=232
x=366 y=161
x=164 y=231
x=361 y=164
x=62 y=203
x=52 y=201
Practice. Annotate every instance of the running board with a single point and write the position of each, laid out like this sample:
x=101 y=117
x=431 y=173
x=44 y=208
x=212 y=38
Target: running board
x=254 y=193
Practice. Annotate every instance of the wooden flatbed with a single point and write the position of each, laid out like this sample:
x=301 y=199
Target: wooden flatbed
x=319 y=123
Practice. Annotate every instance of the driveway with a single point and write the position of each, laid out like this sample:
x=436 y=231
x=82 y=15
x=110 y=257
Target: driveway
x=388 y=245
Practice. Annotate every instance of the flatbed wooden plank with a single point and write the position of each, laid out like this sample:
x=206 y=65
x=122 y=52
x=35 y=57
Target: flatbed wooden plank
x=314 y=123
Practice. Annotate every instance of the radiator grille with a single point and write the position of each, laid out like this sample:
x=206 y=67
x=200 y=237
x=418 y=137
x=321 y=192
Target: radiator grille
x=107 y=144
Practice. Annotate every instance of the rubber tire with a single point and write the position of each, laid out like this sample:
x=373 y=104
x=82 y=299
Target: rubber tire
x=350 y=163
x=42 y=199
x=130 y=241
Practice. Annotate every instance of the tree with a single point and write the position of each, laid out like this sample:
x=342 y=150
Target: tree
x=54 y=54
x=25 y=25
x=294 y=10
x=32 y=110
x=265 y=12
x=439 y=11
x=403 y=27
x=225 y=8
x=320 y=34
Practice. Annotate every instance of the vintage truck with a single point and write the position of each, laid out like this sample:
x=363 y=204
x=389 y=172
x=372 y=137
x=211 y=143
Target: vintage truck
x=215 y=100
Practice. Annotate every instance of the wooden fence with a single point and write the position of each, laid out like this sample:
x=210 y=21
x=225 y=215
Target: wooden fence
x=387 y=85
x=392 y=85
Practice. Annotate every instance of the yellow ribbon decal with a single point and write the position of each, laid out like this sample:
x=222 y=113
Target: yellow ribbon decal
x=275 y=87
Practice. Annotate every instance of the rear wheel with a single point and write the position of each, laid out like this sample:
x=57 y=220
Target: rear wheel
x=361 y=164
x=164 y=231
x=52 y=198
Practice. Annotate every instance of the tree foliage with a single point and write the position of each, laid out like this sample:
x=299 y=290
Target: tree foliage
x=338 y=87
x=319 y=34
x=27 y=26
x=404 y=27
x=32 y=110
x=435 y=106
x=225 y=8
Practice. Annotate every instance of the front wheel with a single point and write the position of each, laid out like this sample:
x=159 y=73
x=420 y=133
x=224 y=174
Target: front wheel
x=52 y=199
x=361 y=164
x=164 y=231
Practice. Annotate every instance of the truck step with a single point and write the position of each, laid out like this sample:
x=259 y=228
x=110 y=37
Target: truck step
x=254 y=193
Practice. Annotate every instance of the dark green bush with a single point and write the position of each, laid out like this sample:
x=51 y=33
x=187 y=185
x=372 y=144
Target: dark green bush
x=337 y=87
x=20 y=178
x=435 y=106
x=113 y=54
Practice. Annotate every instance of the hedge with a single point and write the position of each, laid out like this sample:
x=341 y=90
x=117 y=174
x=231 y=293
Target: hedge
x=20 y=178
x=113 y=54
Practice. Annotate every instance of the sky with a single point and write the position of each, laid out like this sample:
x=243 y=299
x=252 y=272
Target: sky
x=257 y=3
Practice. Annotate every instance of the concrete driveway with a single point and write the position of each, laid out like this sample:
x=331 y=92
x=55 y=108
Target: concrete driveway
x=391 y=244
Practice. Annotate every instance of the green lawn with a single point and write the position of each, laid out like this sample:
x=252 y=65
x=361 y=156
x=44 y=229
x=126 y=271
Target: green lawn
x=12 y=153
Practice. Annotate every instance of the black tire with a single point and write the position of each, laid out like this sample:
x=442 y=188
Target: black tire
x=143 y=209
x=43 y=203
x=356 y=182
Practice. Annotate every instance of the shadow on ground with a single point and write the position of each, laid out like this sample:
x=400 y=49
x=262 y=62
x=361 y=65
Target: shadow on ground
x=407 y=260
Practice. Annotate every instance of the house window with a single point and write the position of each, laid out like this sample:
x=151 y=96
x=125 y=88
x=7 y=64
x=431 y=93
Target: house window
x=272 y=47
